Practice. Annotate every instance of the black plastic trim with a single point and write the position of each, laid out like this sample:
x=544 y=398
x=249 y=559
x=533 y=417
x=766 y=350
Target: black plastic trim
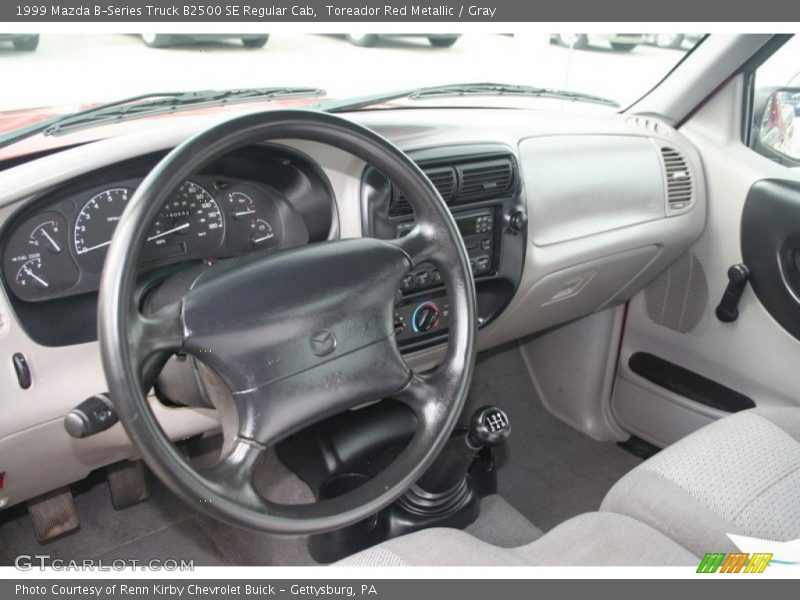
x=771 y=248
x=496 y=287
x=688 y=384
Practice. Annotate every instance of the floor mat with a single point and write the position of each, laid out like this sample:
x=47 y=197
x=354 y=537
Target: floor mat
x=183 y=543
x=98 y=519
x=163 y=527
x=547 y=470
x=500 y=524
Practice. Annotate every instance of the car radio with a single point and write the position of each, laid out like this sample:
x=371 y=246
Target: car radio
x=481 y=187
x=480 y=238
x=422 y=312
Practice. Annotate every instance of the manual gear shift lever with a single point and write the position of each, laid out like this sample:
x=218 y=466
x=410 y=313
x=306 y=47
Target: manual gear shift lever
x=489 y=427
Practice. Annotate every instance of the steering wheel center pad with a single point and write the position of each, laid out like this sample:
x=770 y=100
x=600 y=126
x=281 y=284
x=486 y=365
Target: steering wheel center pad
x=299 y=333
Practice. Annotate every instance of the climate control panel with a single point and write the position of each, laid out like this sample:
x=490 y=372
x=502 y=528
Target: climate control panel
x=420 y=318
x=481 y=187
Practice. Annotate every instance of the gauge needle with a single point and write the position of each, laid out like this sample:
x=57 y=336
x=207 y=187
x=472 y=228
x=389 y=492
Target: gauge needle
x=34 y=276
x=53 y=243
x=244 y=212
x=103 y=245
x=173 y=230
x=263 y=237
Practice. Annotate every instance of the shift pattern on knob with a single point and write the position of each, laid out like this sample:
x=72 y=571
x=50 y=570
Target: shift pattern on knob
x=489 y=427
x=495 y=421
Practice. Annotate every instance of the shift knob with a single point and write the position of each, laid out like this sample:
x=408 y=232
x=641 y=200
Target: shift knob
x=489 y=427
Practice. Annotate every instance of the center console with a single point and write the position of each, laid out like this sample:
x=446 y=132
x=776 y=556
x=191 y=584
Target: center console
x=482 y=189
x=481 y=186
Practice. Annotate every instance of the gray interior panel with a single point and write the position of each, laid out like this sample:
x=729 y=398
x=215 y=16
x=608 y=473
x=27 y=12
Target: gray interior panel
x=573 y=367
x=674 y=318
x=585 y=184
x=582 y=289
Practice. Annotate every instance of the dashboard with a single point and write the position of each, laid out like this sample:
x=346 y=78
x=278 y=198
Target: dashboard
x=54 y=250
x=604 y=209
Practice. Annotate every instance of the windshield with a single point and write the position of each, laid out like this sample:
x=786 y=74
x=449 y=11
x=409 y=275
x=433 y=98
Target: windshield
x=68 y=73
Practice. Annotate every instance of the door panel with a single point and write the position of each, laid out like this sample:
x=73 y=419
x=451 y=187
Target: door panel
x=771 y=249
x=674 y=320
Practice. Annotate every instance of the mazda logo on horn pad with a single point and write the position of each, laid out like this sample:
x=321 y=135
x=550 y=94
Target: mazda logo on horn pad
x=323 y=342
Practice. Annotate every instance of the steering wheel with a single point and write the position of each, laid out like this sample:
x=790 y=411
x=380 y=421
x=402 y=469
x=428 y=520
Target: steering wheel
x=295 y=336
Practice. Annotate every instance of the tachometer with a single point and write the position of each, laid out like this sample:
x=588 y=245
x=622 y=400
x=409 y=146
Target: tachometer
x=190 y=222
x=95 y=226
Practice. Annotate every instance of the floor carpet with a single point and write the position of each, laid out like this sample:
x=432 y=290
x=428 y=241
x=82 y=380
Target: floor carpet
x=548 y=472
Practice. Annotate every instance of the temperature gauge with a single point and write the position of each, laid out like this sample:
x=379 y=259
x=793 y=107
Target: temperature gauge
x=36 y=262
x=48 y=235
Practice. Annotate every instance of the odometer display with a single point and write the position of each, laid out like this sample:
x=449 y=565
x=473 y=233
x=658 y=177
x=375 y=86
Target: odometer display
x=190 y=222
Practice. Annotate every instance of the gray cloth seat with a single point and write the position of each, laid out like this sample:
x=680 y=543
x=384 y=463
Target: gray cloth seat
x=591 y=539
x=739 y=475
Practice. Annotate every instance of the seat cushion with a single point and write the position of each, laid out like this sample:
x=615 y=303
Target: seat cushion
x=738 y=475
x=592 y=539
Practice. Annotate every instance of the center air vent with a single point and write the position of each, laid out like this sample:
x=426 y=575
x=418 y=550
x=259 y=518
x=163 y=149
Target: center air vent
x=464 y=181
x=485 y=179
x=443 y=179
x=680 y=186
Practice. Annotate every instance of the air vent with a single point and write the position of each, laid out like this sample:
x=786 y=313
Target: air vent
x=485 y=179
x=443 y=179
x=679 y=179
x=651 y=125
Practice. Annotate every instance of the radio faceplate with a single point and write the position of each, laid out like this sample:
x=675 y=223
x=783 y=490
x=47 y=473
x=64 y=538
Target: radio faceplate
x=483 y=192
x=481 y=239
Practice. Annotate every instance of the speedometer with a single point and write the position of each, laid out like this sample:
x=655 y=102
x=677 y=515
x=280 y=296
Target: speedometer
x=95 y=226
x=190 y=222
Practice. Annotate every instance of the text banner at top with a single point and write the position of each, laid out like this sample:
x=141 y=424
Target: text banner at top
x=395 y=11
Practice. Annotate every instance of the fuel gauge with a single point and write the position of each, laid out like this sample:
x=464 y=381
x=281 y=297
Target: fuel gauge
x=36 y=262
x=30 y=274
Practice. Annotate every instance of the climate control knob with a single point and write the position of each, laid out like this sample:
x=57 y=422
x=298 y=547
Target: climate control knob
x=426 y=316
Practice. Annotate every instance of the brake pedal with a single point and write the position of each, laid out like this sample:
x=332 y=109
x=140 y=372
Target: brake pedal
x=53 y=515
x=127 y=481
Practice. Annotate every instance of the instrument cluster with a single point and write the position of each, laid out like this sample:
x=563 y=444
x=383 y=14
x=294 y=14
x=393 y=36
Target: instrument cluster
x=60 y=250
